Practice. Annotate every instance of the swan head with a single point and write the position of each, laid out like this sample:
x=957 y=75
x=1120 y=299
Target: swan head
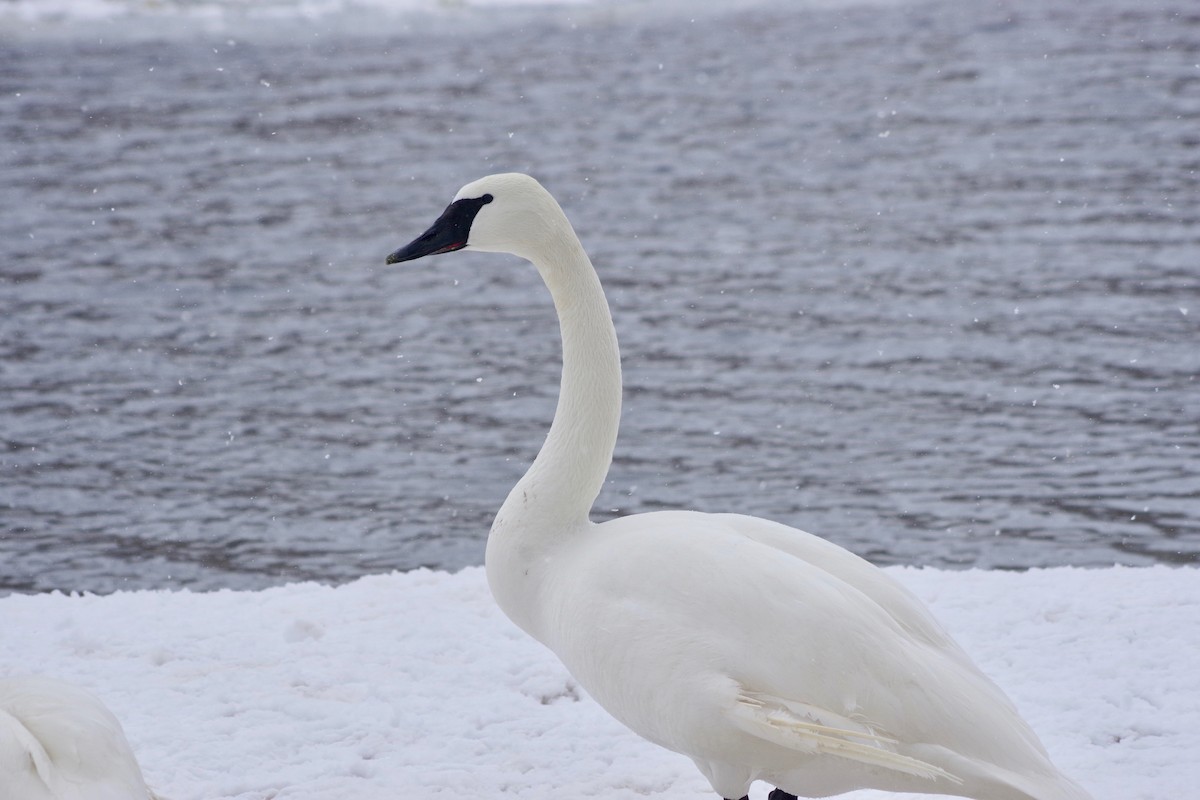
x=506 y=213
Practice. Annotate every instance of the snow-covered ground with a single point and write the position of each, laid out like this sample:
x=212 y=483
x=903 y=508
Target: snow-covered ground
x=413 y=685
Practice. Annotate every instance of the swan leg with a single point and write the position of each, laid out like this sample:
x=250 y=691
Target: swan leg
x=780 y=794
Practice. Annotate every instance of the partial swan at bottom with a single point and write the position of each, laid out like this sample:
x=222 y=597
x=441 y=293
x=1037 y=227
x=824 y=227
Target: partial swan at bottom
x=59 y=742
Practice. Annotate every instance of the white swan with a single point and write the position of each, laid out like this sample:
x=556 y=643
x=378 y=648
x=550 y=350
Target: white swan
x=760 y=651
x=59 y=742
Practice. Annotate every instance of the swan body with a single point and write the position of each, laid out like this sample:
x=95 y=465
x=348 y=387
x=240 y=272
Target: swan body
x=59 y=742
x=760 y=651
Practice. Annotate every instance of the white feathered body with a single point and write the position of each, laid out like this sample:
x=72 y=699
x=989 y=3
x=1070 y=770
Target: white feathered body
x=59 y=742
x=766 y=653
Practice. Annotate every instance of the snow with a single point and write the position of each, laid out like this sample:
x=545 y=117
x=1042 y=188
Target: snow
x=414 y=685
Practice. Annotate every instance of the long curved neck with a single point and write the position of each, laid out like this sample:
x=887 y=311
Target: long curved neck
x=571 y=467
x=549 y=506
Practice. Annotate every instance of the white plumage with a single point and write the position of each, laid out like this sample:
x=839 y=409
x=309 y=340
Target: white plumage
x=760 y=651
x=59 y=742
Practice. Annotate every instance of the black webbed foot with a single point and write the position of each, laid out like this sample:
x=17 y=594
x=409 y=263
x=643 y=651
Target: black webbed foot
x=780 y=794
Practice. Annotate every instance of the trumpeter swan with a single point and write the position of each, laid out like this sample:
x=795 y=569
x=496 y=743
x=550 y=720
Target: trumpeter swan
x=760 y=651
x=59 y=742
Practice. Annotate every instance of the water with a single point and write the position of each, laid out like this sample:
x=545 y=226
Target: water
x=923 y=278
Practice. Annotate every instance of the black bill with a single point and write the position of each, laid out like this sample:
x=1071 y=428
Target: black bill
x=448 y=234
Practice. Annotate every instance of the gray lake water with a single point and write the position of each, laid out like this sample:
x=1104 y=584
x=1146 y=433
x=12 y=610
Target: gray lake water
x=923 y=278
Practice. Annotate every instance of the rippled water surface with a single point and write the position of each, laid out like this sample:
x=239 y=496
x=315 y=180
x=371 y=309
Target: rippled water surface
x=923 y=278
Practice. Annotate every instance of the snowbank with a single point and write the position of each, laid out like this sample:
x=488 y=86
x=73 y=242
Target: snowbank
x=414 y=685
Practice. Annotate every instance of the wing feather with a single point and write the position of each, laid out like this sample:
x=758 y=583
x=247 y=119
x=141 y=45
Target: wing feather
x=809 y=729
